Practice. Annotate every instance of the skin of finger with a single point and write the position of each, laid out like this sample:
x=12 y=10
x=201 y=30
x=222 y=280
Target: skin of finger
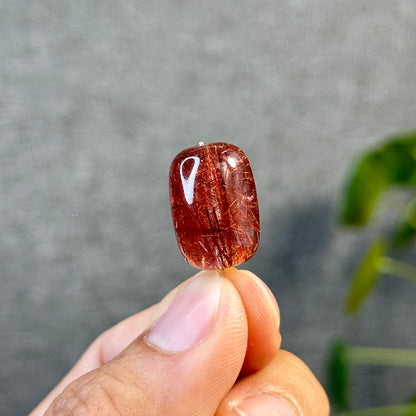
x=287 y=377
x=109 y=344
x=263 y=321
x=144 y=381
x=263 y=318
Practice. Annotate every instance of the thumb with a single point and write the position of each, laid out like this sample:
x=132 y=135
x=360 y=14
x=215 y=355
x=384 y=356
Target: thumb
x=183 y=365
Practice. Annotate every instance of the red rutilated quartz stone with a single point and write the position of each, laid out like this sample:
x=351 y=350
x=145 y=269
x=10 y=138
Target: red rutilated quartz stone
x=214 y=206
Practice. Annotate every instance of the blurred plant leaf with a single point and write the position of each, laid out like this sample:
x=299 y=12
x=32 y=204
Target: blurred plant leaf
x=367 y=178
x=412 y=409
x=404 y=234
x=373 y=172
x=395 y=410
x=406 y=230
x=339 y=375
x=365 y=276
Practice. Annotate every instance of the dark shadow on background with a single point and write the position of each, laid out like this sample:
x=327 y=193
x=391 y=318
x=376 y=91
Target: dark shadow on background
x=293 y=251
x=296 y=240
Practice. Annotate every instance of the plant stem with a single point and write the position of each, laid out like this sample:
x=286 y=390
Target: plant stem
x=382 y=356
x=397 y=410
x=406 y=271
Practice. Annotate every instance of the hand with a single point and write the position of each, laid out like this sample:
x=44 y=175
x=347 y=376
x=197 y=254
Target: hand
x=211 y=346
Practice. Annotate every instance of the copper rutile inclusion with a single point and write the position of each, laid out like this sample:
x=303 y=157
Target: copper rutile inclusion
x=214 y=206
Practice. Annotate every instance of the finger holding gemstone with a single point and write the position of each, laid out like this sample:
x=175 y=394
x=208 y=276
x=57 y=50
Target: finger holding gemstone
x=214 y=205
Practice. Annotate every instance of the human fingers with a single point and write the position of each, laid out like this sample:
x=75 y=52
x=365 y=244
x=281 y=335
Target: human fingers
x=285 y=387
x=263 y=319
x=109 y=344
x=183 y=365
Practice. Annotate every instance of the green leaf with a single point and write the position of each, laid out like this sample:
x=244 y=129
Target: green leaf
x=412 y=407
x=404 y=234
x=406 y=229
x=399 y=159
x=367 y=178
x=411 y=411
x=339 y=375
x=372 y=172
x=396 y=410
x=365 y=276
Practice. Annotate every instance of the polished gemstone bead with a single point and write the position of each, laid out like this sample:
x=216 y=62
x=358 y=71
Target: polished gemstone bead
x=214 y=205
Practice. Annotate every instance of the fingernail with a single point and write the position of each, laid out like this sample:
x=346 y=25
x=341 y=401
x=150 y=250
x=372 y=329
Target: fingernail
x=265 y=404
x=190 y=317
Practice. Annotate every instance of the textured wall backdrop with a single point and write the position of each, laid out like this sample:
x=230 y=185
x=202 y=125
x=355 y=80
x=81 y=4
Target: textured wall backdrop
x=97 y=97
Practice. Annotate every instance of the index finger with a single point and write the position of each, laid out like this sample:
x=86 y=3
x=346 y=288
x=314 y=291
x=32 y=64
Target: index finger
x=263 y=319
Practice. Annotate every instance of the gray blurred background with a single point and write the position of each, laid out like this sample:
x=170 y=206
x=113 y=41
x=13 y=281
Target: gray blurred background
x=97 y=97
